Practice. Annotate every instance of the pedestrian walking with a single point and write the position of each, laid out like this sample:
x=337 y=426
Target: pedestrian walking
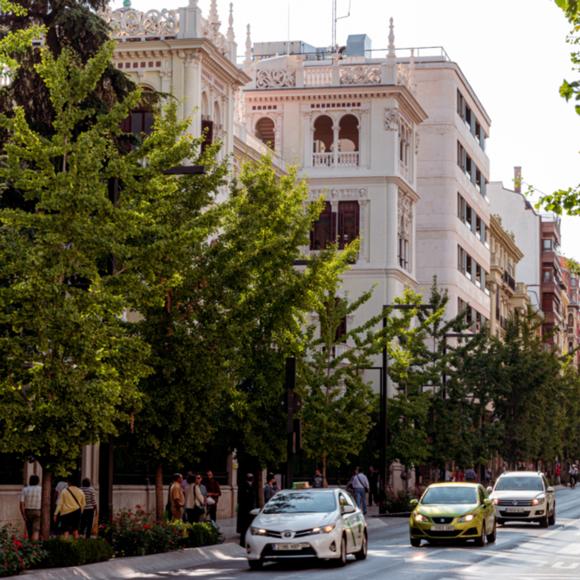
x=360 y=486
x=195 y=500
x=573 y=473
x=176 y=497
x=213 y=495
x=271 y=488
x=30 y=506
x=88 y=515
x=558 y=473
x=470 y=475
x=317 y=480
x=373 y=485
x=69 y=508
x=247 y=501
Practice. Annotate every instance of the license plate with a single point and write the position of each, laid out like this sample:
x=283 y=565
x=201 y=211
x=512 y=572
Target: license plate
x=442 y=528
x=516 y=509
x=289 y=547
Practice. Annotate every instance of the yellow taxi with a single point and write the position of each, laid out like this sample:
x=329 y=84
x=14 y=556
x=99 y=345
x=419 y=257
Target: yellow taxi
x=453 y=511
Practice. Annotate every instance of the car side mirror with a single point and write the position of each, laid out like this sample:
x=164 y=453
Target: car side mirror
x=255 y=512
x=489 y=489
x=414 y=503
x=550 y=489
x=347 y=509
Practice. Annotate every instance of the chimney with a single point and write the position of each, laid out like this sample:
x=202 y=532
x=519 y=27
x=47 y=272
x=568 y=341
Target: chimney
x=518 y=179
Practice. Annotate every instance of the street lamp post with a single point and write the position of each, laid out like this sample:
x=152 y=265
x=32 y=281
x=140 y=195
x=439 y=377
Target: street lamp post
x=383 y=418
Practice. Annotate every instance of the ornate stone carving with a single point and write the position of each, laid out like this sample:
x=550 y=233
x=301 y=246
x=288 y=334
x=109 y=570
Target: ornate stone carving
x=129 y=23
x=405 y=216
x=275 y=78
x=340 y=194
x=392 y=119
x=360 y=75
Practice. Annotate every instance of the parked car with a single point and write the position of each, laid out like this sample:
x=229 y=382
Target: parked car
x=453 y=511
x=524 y=496
x=310 y=523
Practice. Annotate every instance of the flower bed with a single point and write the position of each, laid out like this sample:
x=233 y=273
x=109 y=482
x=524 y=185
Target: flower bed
x=17 y=553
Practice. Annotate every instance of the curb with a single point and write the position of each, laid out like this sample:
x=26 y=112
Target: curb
x=119 y=568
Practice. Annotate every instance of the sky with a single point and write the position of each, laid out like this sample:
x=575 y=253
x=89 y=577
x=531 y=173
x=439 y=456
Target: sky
x=513 y=53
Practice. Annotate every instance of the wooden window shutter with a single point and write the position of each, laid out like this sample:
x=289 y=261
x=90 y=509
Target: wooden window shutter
x=348 y=222
x=324 y=231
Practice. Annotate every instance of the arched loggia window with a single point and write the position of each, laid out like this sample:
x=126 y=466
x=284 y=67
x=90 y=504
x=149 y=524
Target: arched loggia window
x=266 y=132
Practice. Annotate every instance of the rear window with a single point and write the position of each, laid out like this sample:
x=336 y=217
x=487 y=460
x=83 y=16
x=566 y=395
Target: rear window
x=519 y=483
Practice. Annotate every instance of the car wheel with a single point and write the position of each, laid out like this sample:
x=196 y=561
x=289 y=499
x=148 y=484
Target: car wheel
x=255 y=564
x=342 y=558
x=552 y=518
x=491 y=537
x=416 y=542
x=362 y=553
x=482 y=537
x=545 y=522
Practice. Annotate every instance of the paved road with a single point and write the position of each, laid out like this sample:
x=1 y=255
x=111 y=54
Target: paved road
x=520 y=552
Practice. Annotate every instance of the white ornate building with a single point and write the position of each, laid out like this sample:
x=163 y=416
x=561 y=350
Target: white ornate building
x=349 y=122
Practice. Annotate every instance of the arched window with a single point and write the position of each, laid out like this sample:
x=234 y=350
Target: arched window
x=571 y=321
x=266 y=131
x=323 y=135
x=348 y=140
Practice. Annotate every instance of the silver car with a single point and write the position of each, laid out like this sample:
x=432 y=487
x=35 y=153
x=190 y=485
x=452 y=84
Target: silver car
x=524 y=496
x=309 y=523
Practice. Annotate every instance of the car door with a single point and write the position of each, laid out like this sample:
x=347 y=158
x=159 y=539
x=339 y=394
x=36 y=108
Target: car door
x=349 y=522
x=549 y=491
x=488 y=509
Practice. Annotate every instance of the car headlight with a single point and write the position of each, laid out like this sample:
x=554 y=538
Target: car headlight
x=421 y=518
x=258 y=531
x=539 y=499
x=324 y=529
x=495 y=501
x=466 y=518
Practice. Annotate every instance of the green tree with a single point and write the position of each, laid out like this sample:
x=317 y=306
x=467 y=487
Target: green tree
x=336 y=400
x=568 y=200
x=73 y=268
x=262 y=287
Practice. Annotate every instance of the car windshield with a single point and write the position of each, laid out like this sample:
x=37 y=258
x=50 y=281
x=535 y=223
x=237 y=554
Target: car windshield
x=519 y=483
x=450 y=495
x=301 y=503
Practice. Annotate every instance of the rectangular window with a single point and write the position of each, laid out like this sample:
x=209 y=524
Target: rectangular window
x=547 y=276
x=478 y=275
x=468 y=215
x=547 y=245
x=323 y=233
x=468 y=266
x=348 y=222
x=404 y=253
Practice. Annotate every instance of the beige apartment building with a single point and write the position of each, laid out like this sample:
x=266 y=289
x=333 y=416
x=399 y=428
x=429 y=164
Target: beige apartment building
x=453 y=216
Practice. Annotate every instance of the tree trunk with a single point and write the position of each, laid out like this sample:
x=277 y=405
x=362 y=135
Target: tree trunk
x=159 y=504
x=324 y=461
x=45 y=513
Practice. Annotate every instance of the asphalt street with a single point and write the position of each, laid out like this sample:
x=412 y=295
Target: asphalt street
x=521 y=551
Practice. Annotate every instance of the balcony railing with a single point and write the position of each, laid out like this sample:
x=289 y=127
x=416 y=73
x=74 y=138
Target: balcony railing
x=343 y=159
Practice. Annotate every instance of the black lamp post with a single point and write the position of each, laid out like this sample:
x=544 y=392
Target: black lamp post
x=384 y=398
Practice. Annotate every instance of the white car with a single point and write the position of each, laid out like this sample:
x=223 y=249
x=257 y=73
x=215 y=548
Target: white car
x=524 y=496
x=307 y=523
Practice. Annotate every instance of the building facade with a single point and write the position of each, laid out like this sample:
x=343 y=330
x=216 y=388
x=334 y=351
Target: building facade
x=453 y=216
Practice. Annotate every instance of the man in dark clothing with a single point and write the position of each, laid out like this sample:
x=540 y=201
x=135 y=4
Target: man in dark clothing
x=247 y=501
x=318 y=480
x=213 y=492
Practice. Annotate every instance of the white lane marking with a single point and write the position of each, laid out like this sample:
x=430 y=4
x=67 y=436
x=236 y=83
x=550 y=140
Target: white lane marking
x=566 y=565
x=570 y=550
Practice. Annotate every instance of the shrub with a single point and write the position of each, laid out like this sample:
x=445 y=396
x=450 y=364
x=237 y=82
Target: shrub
x=197 y=534
x=398 y=503
x=62 y=553
x=17 y=553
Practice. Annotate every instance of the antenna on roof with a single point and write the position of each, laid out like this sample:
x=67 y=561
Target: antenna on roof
x=335 y=19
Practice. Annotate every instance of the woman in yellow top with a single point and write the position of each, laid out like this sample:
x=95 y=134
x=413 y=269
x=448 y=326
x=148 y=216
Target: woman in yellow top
x=69 y=507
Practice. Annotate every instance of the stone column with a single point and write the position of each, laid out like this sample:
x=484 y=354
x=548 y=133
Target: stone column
x=392 y=225
x=192 y=92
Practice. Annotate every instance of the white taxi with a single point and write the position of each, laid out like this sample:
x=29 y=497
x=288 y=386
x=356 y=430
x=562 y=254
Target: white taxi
x=308 y=523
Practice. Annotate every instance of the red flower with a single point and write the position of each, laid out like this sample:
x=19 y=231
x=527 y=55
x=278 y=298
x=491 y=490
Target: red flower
x=146 y=527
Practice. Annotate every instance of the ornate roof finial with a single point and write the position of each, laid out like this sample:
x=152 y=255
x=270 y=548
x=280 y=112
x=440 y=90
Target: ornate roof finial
x=126 y=3
x=248 y=55
x=391 y=38
x=231 y=35
x=213 y=17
